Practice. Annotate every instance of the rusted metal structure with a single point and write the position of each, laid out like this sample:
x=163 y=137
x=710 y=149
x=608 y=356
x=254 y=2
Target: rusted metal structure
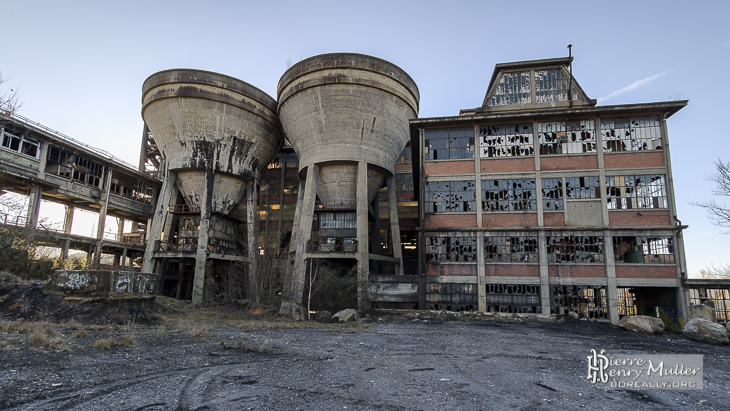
x=215 y=133
x=346 y=116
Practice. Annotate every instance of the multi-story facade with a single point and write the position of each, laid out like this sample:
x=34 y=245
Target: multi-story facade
x=542 y=201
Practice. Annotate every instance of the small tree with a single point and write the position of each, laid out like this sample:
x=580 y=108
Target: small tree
x=718 y=213
x=9 y=98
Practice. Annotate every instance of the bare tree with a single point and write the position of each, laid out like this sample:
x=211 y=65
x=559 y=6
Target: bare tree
x=712 y=271
x=9 y=98
x=718 y=213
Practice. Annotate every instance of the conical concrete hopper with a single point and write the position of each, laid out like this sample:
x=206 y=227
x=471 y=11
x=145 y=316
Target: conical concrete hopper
x=203 y=120
x=338 y=109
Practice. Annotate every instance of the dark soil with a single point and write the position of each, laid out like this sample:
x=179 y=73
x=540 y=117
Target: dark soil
x=414 y=361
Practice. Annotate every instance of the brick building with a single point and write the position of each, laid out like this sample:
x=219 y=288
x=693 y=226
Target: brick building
x=542 y=201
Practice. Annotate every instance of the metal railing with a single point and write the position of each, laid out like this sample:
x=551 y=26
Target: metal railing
x=333 y=245
x=62 y=136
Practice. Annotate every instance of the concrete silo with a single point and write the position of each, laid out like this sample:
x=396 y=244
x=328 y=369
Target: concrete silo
x=346 y=116
x=215 y=134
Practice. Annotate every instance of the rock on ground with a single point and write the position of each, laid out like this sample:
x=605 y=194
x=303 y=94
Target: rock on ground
x=701 y=330
x=643 y=323
x=322 y=316
x=292 y=310
x=344 y=316
x=702 y=311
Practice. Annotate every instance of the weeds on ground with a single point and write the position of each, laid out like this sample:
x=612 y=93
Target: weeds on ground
x=41 y=334
x=257 y=346
x=109 y=342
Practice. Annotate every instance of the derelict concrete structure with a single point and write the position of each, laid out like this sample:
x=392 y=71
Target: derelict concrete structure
x=215 y=134
x=346 y=116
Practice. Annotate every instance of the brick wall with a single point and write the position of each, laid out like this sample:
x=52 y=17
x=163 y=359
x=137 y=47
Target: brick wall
x=451 y=220
x=507 y=165
x=449 y=167
x=633 y=160
x=553 y=219
x=577 y=270
x=635 y=271
x=509 y=219
x=568 y=163
x=451 y=269
x=632 y=218
x=512 y=270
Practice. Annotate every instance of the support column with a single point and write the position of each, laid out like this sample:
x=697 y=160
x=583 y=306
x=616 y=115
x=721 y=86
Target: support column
x=68 y=219
x=611 y=291
x=363 y=253
x=64 y=249
x=394 y=222
x=297 y=216
x=544 y=276
x=42 y=160
x=102 y=219
x=201 y=256
x=306 y=215
x=252 y=231
x=123 y=262
x=34 y=206
x=154 y=227
x=120 y=229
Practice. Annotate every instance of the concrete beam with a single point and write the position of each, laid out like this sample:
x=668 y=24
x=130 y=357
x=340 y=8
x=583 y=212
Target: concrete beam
x=304 y=233
x=155 y=226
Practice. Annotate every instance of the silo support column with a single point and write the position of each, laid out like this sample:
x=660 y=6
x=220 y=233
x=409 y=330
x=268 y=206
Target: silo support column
x=203 y=234
x=304 y=234
x=158 y=221
x=252 y=226
x=103 y=207
x=363 y=254
x=68 y=219
x=394 y=224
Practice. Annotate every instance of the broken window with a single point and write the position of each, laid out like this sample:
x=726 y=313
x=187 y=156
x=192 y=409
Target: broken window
x=509 y=195
x=511 y=140
x=639 y=249
x=20 y=143
x=582 y=187
x=510 y=249
x=631 y=133
x=404 y=182
x=720 y=297
x=552 y=194
x=406 y=155
x=626 y=301
x=513 y=298
x=551 y=86
x=574 y=248
x=337 y=220
x=588 y=301
x=451 y=248
x=143 y=192
x=638 y=191
x=451 y=297
x=450 y=196
x=512 y=88
x=449 y=143
x=566 y=137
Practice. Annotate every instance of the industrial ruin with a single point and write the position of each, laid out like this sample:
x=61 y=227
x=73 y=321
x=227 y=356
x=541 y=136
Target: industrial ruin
x=537 y=201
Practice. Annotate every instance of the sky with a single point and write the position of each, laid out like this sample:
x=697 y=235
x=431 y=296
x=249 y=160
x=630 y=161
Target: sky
x=79 y=65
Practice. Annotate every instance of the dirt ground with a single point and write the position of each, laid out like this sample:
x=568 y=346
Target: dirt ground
x=182 y=359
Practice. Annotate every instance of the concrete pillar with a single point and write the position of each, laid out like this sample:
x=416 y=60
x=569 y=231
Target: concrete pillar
x=306 y=216
x=120 y=229
x=611 y=291
x=171 y=220
x=201 y=255
x=363 y=253
x=154 y=227
x=64 y=249
x=374 y=229
x=102 y=218
x=297 y=216
x=544 y=277
x=394 y=223
x=42 y=160
x=34 y=206
x=481 y=273
x=123 y=262
x=252 y=232
x=68 y=219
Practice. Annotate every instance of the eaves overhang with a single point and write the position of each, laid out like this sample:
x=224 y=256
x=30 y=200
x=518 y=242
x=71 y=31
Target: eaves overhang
x=667 y=108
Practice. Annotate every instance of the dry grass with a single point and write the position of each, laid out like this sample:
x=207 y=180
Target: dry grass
x=256 y=346
x=109 y=342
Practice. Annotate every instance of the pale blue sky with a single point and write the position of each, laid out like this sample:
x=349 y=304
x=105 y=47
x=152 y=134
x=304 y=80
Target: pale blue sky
x=79 y=66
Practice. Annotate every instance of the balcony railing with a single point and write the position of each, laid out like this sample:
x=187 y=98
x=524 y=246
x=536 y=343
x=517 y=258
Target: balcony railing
x=333 y=245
